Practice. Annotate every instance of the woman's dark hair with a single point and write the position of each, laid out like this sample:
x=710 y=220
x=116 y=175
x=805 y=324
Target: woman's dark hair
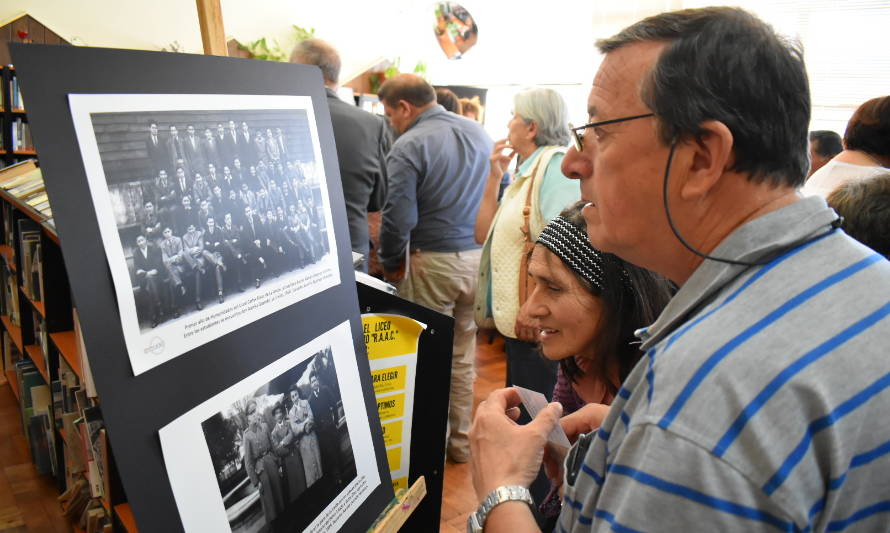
x=632 y=298
x=869 y=128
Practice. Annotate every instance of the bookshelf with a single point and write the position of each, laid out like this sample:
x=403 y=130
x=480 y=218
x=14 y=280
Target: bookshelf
x=43 y=359
x=15 y=140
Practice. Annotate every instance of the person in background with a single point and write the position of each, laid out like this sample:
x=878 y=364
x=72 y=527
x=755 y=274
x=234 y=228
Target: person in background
x=436 y=171
x=447 y=99
x=471 y=108
x=362 y=139
x=866 y=150
x=756 y=403
x=864 y=206
x=537 y=135
x=824 y=144
x=148 y=265
x=585 y=307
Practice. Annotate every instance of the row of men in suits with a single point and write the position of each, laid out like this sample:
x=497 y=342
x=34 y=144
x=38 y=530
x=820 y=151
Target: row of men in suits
x=194 y=150
x=225 y=193
x=168 y=191
x=168 y=265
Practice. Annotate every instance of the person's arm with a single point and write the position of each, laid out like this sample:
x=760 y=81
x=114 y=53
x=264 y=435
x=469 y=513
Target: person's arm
x=499 y=161
x=399 y=215
x=505 y=453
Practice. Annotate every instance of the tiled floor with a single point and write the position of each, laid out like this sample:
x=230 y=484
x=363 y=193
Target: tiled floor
x=28 y=501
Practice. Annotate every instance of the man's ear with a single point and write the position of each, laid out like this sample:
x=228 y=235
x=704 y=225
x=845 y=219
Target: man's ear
x=405 y=107
x=712 y=155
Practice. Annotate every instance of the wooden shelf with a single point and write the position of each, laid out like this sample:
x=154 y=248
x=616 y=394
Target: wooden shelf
x=18 y=110
x=6 y=252
x=13 y=383
x=36 y=354
x=15 y=332
x=125 y=514
x=66 y=342
x=24 y=152
x=37 y=304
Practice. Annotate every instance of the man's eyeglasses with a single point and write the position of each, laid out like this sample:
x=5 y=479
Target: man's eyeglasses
x=578 y=136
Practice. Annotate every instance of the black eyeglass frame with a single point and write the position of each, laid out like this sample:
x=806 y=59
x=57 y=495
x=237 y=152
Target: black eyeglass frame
x=579 y=139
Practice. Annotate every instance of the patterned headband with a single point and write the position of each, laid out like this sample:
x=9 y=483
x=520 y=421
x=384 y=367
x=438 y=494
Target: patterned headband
x=572 y=246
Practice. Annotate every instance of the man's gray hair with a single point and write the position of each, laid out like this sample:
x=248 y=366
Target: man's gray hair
x=321 y=54
x=548 y=109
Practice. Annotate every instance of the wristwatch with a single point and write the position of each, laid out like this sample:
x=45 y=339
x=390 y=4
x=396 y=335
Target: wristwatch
x=504 y=493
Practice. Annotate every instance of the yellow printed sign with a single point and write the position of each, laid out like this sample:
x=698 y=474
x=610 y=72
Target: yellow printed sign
x=394 y=458
x=390 y=335
x=400 y=483
x=389 y=379
x=392 y=433
x=391 y=406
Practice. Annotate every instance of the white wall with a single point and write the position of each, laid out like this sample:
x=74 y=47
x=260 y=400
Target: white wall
x=521 y=42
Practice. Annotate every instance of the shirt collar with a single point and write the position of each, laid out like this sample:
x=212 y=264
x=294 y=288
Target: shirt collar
x=427 y=113
x=525 y=167
x=765 y=237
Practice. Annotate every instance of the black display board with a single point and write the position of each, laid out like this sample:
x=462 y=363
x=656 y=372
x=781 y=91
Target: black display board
x=136 y=407
x=431 y=393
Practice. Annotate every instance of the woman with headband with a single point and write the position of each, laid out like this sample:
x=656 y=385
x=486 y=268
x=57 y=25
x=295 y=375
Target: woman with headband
x=586 y=305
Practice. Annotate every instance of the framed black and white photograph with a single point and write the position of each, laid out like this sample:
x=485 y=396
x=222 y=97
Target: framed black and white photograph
x=212 y=210
x=287 y=449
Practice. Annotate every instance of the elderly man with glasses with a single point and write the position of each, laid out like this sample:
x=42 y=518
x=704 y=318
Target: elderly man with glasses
x=758 y=403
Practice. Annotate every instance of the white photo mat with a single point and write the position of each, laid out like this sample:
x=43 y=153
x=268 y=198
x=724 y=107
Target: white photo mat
x=188 y=461
x=174 y=338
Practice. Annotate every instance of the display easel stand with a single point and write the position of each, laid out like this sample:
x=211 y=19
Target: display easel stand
x=397 y=512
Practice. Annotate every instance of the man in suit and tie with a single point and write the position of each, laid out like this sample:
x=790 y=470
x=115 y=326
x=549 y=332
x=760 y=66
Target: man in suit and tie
x=253 y=238
x=194 y=155
x=231 y=251
x=157 y=150
x=176 y=265
x=183 y=184
x=229 y=182
x=186 y=216
x=324 y=409
x=176 y=149
x=210 y=149
x=165 y=196
x=246 y=149
x=148 y=264
x=233 y=143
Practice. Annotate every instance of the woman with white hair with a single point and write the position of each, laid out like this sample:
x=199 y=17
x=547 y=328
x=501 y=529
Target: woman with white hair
x=537 y=134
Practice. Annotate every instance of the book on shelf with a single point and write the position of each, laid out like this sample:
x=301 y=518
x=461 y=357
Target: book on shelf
x=31 y=184
x=21 y=135
x=15 y=94
x=85 y=371
x=11 y=354
x=11 y=172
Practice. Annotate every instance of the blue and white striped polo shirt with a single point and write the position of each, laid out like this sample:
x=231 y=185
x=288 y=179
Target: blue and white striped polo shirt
x=763 y=401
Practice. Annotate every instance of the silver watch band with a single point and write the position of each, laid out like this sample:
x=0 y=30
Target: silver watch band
x=504 y=493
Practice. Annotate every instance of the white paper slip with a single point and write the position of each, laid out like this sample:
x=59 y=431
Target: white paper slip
x=534 y=402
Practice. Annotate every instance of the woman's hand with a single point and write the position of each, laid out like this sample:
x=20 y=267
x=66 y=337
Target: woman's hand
x=500 y=159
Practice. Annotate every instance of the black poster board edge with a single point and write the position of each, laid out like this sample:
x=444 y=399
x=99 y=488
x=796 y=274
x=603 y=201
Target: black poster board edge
x=135 y=408
x=432 y=386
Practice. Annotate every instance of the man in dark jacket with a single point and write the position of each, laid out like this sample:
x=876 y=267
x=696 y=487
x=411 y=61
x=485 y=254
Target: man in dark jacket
x=363 y=141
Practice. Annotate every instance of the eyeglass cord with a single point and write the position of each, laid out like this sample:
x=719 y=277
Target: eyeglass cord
x=667 y=170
